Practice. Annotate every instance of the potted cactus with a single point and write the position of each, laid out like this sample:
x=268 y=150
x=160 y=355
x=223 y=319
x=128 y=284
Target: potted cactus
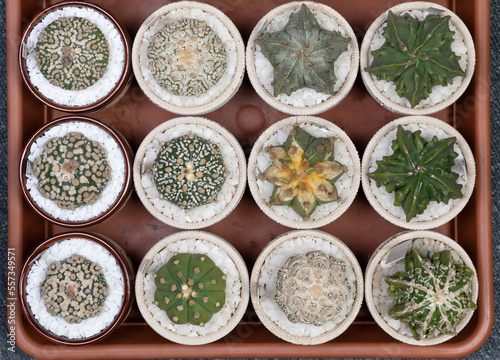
x=190 y=172
x=302 y=58
x=418 y=172
x=303 y=172
x=407 y=73
x=192 y=287
x=405 y=303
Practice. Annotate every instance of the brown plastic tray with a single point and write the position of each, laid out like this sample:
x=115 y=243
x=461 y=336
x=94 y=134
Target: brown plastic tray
x=247 y=228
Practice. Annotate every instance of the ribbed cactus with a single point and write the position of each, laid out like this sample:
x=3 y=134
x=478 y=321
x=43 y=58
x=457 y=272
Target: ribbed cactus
x=418 y=172
x=303 y=54
x=312 y=288
x=72 y=53
x=72 y=170
x=303 y=172
x=432 y=294
x=74 y=288
x=190 y=288
x=416 y=55
x=189 y=171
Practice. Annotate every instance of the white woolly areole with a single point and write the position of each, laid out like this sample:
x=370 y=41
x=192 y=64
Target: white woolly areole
x=114 y=157
x=114 y=278
x=94 y=93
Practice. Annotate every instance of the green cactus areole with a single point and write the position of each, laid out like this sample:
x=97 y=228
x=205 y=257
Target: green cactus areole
x=187 y=57
x=303 y=172
x=416 y=56
x=72 y=171
x=190 y=288
x=189 y=171
x=303 y=54
x=72 y=53
x=432 y=294
x=418 y=172
x=74 y=288
x=312 y=288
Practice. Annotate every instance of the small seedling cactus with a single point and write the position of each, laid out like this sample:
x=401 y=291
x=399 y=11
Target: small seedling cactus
x=418 y=172
x=416 y=55
x=189 y=171
x=72 y=53
x=312 y=288
x=190 y=288
x=74 y=288
x=303 y=172
x=187 y=57
x=303 y=54
x=72 y=170
x=432 y=295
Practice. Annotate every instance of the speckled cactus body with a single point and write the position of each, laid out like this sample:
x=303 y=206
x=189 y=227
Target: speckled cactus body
x=72 y=53
x=418 y=172
x=72 y=170
x=303 y=54
x=75 y=289
x=416 y=55
x=189 y=171
x=303 y=172
x=432 y=294
x=187 y=57
x=312 y=288
x=190 y=288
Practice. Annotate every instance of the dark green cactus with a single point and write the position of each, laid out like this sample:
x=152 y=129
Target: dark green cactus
x=418 y=172
x=416 y=55
x=431 y=294
x=74 y=288
x=72 y=53
x=189 y=171
x=190 y=288
x=72 y=170
x=303 y=54
x=303 y=172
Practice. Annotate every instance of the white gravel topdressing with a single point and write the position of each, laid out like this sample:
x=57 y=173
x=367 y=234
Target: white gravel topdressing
x=439 y=93
x=111 y=192
x=222 y=260
x=114 y=278
x=218 y=27
x=434 y=209
x=94 y=93
x=305 y=96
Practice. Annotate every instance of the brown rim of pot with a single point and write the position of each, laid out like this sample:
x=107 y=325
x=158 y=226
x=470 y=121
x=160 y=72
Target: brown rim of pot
x=120 y=87
x=128 y=279
x=122 y=198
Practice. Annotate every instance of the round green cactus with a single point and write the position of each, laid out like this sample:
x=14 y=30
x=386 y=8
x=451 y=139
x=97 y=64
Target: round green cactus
x=74 y=288
x=72 y=53
x=190 y=288
x=189 y=171
x=187 y=57
x=72 y=170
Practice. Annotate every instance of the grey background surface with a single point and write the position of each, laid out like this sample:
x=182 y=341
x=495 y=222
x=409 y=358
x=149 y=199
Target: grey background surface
x=490 y=350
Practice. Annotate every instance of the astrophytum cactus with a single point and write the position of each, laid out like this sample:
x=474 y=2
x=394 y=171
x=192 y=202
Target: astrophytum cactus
x=189 y=171
x=418 y=172
x=190 y=288
x=72 y=170
x=72 y=53
x=303 y=172
x=312 y=288
x=416 y=56
x=432 y=294
x=74 y=288
x=303 y=54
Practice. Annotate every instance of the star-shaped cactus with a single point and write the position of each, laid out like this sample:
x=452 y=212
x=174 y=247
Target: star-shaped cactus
x=303 y=172
x=303 y=54
x=416 y=56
